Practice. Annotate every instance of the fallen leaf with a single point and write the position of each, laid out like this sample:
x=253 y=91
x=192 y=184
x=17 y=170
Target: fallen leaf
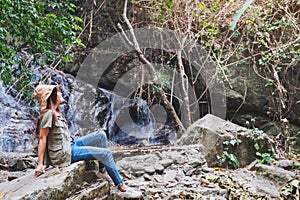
x=202 y=180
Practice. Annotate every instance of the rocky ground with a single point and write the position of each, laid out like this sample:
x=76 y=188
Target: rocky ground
x=182 y=173
x=160 y=173
x=189 y=169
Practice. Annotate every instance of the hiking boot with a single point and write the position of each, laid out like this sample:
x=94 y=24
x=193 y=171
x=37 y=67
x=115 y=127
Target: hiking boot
x=130 y=193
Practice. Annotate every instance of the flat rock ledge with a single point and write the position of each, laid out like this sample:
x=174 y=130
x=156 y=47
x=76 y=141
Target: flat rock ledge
x=56 y=183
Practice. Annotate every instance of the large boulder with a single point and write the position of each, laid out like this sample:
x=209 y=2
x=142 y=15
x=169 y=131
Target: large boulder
x=219 y=136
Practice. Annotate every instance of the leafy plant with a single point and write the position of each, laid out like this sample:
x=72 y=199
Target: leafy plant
x=266 y=158
x=228 y=157
x=293 y=140
x=257 y=134
x=38 y=31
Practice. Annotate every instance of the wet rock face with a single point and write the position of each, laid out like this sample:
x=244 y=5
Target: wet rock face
x=86 y=109
x=259 y=100
x=16 y=124
x=124 y=122
x=18 y=118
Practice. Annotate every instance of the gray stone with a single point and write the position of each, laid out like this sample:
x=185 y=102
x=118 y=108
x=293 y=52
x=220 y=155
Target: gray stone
x=158 y=178
x=288 y=164
x=166 y=162
x=169 y=176
x=177 y=157
x=147 y=177
x=159 y=168
x=12 y=163
x=211 y=131
x=150 y=169
x=276 y=174
x=54 y=184
x=138 y=167
x=196 y=162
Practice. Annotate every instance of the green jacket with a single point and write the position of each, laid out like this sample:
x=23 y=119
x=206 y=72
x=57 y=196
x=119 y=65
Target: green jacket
x=58 y=149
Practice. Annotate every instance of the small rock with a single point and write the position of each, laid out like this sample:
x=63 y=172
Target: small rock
x=149 y=169
x=156 y=197
x=158 y=178
x=190 y=172
x=21 y=165
x=207 y=169
x=204 y=181
x=166 y=162
x=12 y=163
x=169 y=176
x=172 y=184
x=143 y=143
x=152 y=191
x=275 y=174
x=177 y=158
x=147 y=177
x=195 y=162
x=288 y=164
x=159 y=168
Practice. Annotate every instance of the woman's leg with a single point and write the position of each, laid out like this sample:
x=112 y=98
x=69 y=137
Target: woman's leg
x=103 y=155
x=96 y=139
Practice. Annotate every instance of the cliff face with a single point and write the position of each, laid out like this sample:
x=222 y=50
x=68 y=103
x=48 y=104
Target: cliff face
x=252 y=90
x=16 y=124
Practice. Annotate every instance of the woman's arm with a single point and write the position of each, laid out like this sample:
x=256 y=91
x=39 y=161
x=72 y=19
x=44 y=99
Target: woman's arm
x=41 y=150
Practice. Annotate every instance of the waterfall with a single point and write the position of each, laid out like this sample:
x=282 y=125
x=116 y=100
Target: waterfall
x=126 y=121
x=15 y=124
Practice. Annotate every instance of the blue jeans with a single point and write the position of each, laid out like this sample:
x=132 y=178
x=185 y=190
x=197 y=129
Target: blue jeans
x=94 y=147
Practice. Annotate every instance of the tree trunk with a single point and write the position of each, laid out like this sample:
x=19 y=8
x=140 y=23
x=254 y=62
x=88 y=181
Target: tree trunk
x=186 y=112
x=161 y=94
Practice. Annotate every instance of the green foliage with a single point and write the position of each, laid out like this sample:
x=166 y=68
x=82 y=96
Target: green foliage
x=164 y=78
x=294 y=138
x=266 y=158
x=161 y=9
x=43 y=29
x=259 y=135
x=228 y=157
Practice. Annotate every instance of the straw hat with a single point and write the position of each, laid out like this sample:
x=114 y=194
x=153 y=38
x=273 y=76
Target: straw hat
x=42 y=93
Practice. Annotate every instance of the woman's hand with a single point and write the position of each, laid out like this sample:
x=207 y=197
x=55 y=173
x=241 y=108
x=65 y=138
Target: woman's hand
x=40 y=169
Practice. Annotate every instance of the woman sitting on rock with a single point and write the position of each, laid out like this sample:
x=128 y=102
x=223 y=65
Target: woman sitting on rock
x=57 y=148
